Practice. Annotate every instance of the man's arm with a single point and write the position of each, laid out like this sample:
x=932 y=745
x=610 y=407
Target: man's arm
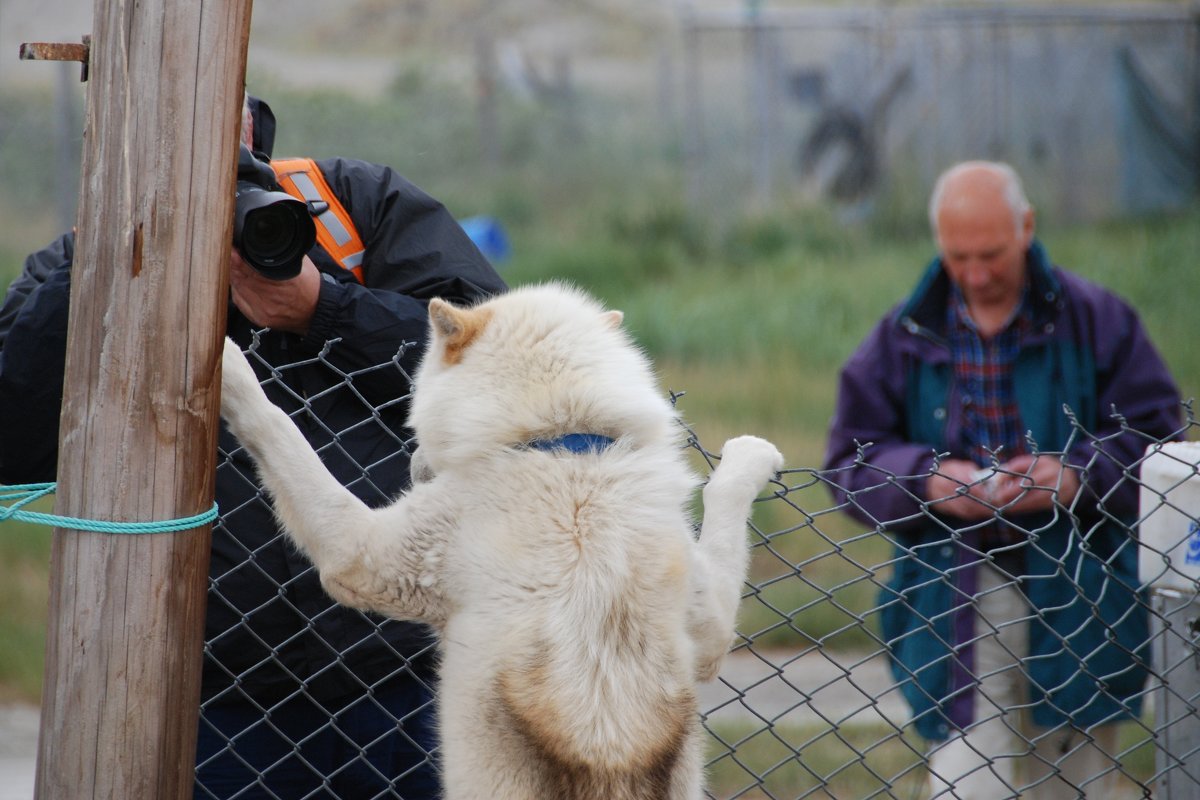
x=1137 y=403
x=885 y=482
x=33 y=343
x=38 y=267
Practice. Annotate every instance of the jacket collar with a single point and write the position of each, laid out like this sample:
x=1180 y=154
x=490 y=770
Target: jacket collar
x=925 y=308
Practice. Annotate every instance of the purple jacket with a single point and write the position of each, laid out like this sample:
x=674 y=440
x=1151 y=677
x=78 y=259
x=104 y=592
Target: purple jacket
x=1087 y=357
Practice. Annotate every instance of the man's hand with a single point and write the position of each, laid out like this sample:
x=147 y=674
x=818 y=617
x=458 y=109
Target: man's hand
x=1020 y=486
x=1033 y=483
x=950 y=491
x=280 y=305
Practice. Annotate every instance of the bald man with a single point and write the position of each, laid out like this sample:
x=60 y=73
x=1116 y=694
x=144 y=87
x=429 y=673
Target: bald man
x=1013 y=618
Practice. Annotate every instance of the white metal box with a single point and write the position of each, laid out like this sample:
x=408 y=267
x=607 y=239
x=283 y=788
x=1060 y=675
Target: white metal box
x=1170 y=517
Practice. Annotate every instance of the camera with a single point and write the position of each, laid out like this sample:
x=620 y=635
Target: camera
x=271 y=229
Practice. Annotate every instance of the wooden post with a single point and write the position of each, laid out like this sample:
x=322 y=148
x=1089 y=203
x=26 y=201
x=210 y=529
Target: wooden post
x=140 y=408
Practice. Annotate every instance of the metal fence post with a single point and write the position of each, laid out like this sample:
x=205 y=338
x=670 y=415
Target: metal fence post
x=693 y=111
x=761 y=89
x=1169 y=563
x=140 y=411
x=1176 y=658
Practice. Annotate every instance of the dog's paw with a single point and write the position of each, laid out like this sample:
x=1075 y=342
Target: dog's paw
x=419 y=469
x=239 y=384
x=750 y=458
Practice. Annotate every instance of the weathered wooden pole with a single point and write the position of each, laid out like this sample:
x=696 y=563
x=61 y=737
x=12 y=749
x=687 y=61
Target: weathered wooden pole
x=140 y=407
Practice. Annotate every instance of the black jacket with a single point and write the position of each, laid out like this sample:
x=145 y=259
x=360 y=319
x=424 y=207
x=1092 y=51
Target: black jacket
x=267 y=615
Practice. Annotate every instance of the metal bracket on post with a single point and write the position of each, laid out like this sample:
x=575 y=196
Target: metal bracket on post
x=1192 y=625
x=60 y=51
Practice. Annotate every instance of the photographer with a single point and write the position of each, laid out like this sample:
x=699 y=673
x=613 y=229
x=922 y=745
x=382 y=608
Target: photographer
x=298 y=693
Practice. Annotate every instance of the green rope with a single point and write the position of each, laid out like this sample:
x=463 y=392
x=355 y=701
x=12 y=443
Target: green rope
x=24 y=494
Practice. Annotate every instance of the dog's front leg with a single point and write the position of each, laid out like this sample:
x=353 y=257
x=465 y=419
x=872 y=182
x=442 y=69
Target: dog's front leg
x=377 y=559
x=721 y=557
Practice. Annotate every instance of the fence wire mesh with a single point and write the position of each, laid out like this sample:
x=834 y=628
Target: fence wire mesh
x=810 y=703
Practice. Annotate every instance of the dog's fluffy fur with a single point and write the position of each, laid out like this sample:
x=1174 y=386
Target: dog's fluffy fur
x=575 y=607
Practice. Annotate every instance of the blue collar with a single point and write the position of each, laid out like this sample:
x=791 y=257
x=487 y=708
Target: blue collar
x=573 y=442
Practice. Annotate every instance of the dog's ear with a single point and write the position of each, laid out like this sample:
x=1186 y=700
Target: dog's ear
x=614 y=318
x=445 y=319
x=455 y=328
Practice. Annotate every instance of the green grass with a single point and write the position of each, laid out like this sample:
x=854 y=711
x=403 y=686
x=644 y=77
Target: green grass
x=751 y=761
x=24 y=591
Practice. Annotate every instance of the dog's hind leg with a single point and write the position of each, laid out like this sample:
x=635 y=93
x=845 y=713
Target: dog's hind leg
x=368 y=558
x=721 y=556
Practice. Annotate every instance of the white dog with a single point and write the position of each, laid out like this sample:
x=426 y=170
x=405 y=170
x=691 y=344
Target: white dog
x=575 y=607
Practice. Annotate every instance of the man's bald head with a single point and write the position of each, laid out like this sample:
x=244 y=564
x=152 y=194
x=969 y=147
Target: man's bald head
x=975 y=186
x=983 y=225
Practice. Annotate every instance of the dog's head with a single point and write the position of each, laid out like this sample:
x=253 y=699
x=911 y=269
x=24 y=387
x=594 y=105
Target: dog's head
x=538 y=362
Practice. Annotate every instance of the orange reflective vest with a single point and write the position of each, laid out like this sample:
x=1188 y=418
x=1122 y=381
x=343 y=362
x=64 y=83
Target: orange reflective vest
x=336 y=233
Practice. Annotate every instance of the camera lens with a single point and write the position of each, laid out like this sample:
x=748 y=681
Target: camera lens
x=270 y=234
x=272 y=230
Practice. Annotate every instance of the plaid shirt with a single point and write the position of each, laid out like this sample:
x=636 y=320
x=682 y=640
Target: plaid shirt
x=991 y=419
x=984 y=371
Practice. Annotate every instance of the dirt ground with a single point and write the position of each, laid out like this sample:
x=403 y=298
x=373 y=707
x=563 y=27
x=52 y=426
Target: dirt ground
x=18 y=751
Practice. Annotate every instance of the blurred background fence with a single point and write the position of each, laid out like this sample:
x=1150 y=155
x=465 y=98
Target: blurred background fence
x=1097 y=106
x=737 y=105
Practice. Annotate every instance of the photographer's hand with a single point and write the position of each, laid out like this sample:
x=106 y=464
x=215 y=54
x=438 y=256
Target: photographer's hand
x=280 y=305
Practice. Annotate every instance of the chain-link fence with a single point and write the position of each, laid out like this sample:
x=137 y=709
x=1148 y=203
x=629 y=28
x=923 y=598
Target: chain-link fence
x=866 y=648
x=822 y=696
x=301 y=697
